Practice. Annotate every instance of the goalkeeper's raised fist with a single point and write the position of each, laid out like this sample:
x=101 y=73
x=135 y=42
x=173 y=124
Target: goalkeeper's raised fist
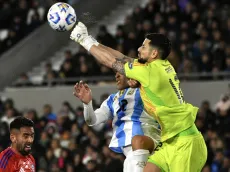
x=80 y=35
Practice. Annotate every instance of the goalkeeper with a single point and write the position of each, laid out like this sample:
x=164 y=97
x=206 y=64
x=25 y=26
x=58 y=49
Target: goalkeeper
x=183 y=147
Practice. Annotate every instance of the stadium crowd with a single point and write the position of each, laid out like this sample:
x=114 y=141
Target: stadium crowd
x=19 y=18
x=199 y=31
x=63 y=141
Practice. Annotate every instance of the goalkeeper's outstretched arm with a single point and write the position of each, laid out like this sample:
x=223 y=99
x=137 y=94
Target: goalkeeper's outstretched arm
x=105 y=55
x=110 y=57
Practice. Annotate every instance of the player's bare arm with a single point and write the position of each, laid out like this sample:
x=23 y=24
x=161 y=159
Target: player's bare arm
x=117 y=54
x=105 y=55
x=110 y=57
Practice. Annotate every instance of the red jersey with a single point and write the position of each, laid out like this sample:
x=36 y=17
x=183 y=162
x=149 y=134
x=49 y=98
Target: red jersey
x=13 y=162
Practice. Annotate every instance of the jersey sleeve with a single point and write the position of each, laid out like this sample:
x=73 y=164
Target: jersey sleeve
x=6 y=163
x=137 y=71
x=100 y=115
x=106 y=107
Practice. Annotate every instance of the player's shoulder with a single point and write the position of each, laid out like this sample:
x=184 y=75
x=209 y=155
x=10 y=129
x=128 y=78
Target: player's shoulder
x=133 y=63
x=111 y=96
x=137 y=63
x=6 y=156
x=7 y=151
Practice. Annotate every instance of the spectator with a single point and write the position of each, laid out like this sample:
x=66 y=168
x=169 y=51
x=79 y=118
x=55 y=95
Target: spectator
x=23 y=81
x=48 y=115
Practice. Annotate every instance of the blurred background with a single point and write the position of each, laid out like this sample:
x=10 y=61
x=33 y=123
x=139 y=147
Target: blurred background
x=39 y=67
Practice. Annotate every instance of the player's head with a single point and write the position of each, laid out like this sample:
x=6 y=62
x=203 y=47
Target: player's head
x=155 y=46
x=22 y=135
x=121 y=81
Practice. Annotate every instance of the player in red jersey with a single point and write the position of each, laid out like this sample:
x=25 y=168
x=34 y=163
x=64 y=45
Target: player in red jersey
x=17 y=157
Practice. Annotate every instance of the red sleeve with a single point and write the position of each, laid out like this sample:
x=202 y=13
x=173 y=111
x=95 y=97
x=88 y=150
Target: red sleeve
x=8 y=168
x=6 y=163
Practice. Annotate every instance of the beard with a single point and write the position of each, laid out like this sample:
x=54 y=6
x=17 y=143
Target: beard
x=22 y=150
x=141 y=60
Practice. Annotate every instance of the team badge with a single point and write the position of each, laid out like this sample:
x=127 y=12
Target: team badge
x=130 y=92
x=130 y=65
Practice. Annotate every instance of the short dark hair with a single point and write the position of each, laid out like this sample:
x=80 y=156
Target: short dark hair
x=160 y=41
x=20 y=122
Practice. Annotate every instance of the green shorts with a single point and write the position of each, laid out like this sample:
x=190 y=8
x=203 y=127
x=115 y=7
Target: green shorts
x=181 y=154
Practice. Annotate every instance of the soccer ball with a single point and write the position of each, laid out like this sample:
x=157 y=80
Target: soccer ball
x=61 y=17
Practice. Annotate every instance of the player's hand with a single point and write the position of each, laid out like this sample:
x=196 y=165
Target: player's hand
x=79 y=33
x=133 y=83
x=83 y=92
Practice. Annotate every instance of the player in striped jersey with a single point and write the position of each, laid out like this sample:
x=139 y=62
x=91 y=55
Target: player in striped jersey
x=135 y=133
x=183 y=146
x=17 y=157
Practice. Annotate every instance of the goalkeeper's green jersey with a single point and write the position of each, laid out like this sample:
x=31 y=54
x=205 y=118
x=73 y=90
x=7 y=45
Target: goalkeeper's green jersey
x=162 y=96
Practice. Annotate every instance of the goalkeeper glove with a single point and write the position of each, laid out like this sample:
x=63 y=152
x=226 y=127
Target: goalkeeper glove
x=80 y=35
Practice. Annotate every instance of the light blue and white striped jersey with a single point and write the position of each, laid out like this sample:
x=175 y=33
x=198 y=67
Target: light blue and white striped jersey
x=129 y=118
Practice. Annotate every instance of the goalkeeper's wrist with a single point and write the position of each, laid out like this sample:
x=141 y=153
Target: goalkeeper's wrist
x=88 y=42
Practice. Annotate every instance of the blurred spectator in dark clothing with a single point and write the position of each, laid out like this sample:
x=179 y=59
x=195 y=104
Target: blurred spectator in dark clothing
x=48 y=69
x=18 y=26
x=36 y=9
x=49 y=79
x=4 y=134
x=205 y=66
x=35 y=22
x=223 y=113
x=138 y=14
x=5 y=15
x=208 y=115
x=227 y=69
x=112 y=163
x=105 y=71
x=20 y=18
x=10 y=41
x=67 y=71
x=23 y=81
x=129 y=25
x=69 y=57
x=130 y=42
x=120 y=35
x=105 y=38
